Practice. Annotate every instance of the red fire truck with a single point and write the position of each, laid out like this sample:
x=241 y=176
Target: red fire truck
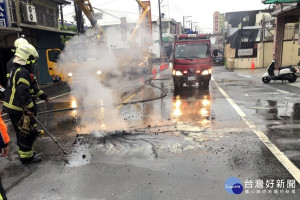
x=192 y=61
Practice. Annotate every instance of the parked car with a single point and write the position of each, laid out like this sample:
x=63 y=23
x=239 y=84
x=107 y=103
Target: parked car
x=218 y=57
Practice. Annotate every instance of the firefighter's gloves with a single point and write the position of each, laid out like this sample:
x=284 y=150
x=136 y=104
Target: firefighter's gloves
x=30 y=114
x=48 y=100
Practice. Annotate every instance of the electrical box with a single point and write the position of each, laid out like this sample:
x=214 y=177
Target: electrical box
x=30 y=14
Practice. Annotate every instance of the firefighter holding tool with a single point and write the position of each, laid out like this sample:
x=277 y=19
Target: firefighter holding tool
x=18 y=102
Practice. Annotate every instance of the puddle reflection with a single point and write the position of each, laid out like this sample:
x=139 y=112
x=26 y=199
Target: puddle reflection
x=192 y=105
x=272 y=110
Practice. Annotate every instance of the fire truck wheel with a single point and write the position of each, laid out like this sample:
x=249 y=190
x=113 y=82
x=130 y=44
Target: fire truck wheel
x=204 y=84
x=178 y=85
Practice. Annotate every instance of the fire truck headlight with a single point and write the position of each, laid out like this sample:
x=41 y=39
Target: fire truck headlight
x=206 y=72
x=177 y=73
x=70 y=74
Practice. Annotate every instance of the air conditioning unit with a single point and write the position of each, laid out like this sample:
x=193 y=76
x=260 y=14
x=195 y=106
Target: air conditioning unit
x=30 y=14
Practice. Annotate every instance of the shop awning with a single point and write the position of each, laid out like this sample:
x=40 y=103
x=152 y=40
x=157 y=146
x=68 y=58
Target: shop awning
x=235 y=39
x=43 y=28
x=60 y=2
x=279 y=1
x=10 y=29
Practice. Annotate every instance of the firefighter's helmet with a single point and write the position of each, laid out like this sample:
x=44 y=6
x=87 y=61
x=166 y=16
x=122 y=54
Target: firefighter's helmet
x=27 y=52
x=19 y=42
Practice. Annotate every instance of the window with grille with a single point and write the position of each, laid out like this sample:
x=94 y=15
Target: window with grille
x=46 y=16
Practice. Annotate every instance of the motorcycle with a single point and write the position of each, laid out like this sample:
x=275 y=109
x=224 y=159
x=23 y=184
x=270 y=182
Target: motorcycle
x=288 y=73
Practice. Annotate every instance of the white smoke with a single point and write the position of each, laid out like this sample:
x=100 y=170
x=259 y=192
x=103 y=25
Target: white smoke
x=101 y=74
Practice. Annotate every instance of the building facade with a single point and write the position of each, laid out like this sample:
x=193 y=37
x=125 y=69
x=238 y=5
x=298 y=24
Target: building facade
x=259 y=37
x=38 y=21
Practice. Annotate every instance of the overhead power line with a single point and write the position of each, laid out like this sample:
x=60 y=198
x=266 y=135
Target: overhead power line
x=106 y=13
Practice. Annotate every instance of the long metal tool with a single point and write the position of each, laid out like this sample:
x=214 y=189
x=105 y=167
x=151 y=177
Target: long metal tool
x=52 y=137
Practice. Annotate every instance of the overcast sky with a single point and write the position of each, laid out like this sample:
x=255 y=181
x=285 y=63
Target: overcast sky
x=200 y=10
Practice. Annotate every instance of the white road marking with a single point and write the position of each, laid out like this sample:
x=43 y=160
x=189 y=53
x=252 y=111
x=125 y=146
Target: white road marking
x=247 y=76
x=294 y=171
x=261 y=108
x=282 y=91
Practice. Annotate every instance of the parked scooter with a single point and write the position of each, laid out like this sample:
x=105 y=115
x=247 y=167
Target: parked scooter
x=288 y=73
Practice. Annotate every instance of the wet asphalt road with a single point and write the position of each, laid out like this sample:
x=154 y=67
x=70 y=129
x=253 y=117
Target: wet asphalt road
x=183 y=146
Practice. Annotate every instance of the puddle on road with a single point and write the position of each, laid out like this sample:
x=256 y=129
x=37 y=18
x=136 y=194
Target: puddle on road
x=274 y=110
x=281 y=121
x=172 y=125
x=192 y=106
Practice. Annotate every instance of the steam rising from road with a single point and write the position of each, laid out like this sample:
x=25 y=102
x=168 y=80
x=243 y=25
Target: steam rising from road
x=97 y=81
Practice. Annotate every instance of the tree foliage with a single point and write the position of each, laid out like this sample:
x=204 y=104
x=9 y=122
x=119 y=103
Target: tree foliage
x=72 y=28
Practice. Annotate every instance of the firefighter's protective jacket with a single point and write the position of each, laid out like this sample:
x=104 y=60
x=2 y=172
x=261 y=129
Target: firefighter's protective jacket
x=35 y=90
x=17 y=94
x=34 y=87
x=4 y=137
x=9 y=67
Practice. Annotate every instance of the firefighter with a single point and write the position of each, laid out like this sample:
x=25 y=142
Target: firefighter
x=4 y=140
x=9 y=65
x=18 y=102
x=35 y=91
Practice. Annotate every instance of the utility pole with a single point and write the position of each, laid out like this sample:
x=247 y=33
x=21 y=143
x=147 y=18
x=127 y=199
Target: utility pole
x=61 y=15
x=184 y=21
x=262 y=38
x=160 y=30
x=79 y=19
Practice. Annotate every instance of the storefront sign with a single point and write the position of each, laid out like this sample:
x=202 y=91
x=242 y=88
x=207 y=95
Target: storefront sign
x=221 y=23
x=3 y=15
x=216 y=22
x=245 y=52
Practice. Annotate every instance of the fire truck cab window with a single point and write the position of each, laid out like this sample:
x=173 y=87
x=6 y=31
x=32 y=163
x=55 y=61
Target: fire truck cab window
x=192 y=50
